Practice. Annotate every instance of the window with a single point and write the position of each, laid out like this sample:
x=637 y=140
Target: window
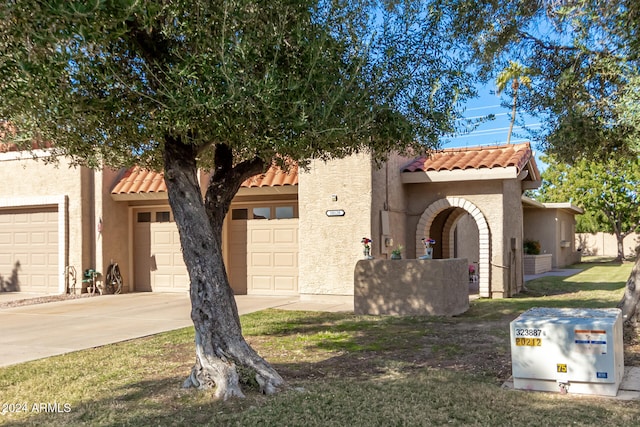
x=261 y=213
x=144 y=216
x=284 y=212
x=163 y=216
x=239 y=214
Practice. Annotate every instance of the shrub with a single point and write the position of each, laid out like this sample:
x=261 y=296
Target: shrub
x=531 y=247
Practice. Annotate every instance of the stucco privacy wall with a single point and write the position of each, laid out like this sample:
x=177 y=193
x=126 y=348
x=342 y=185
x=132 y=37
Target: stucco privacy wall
x=27 y=183
x=330 y=245
x=605 y=244
x=411 y=287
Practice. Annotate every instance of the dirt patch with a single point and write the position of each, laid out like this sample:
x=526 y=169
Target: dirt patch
x=41 y=300
x=481 y=348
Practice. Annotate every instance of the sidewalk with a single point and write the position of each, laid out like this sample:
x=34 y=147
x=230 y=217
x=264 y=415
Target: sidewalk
x=41 y=330
x=558 y=272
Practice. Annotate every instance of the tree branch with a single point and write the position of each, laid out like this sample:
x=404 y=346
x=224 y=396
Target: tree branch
x=227 y=179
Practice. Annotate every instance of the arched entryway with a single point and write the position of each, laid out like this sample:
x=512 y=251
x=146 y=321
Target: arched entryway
x=459 y=207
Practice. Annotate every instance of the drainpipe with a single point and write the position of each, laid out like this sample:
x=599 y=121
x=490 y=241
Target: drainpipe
x=92 y=220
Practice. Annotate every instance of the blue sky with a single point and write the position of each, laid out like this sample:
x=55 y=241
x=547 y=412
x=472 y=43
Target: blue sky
x=494 y=132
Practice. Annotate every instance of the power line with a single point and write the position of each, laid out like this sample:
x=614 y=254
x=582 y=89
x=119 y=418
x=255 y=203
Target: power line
x=482 y=108
x=491 y=131
x=480 y=117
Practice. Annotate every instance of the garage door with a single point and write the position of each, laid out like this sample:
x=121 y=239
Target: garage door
x=272 y=257
x=263 y=250
x=159 y=265
x=29 y=250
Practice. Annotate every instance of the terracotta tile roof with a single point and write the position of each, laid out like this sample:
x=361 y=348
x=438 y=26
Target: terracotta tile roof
x=499 y=156
x=137 y=180
x=274 y=177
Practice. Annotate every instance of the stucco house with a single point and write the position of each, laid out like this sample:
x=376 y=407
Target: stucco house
x=553 y=225
x=294 y=233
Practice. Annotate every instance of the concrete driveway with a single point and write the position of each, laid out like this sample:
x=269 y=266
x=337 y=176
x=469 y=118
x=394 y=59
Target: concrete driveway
x=36 y=331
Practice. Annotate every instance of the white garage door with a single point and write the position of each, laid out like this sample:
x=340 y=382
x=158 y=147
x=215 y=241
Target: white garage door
x=263 y=250
x=29 y=250
x=272 y=257
x=159 y=265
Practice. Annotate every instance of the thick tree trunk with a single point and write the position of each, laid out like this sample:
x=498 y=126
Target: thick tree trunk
x=220 y=346
x=630 y=303
x=620 y=247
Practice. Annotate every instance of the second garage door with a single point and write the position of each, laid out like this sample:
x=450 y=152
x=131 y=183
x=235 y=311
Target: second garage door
x=263 y=250
x=159 y=265
x=29 y=250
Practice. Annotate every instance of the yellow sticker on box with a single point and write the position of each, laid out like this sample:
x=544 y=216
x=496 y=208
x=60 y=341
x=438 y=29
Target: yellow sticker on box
x=529 y=342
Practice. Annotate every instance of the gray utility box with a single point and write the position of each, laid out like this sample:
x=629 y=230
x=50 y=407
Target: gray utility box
x=568 y=350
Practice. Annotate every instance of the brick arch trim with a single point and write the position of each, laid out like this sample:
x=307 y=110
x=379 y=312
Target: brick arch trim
x=424 y=226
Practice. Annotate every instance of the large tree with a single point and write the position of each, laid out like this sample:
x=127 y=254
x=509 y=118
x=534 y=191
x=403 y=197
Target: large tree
x=232 y=86
x=584 y=60
x=608 y=191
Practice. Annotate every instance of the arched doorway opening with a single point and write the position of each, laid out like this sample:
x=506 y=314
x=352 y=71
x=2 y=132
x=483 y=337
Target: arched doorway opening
x=439 y=221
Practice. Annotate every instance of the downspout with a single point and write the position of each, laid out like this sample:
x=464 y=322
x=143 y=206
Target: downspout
x=92 y=220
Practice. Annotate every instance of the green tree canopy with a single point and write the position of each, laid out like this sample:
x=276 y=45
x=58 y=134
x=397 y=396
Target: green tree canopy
x=583 y=61
x=109 y=80
x=232 y=85
x=608 y=191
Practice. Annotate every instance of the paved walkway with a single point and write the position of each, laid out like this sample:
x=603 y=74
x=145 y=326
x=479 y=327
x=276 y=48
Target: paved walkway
x=558 y=272
x=41 y=330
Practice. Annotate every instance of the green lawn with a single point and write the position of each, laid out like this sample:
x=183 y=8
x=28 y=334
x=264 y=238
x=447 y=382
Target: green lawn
x=343 y=370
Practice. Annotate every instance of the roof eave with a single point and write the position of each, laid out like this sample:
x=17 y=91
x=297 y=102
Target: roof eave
x=458 y=175
x=131 y=197
x=267 y=190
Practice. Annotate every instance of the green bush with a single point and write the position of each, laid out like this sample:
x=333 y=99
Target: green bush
x=531 y=247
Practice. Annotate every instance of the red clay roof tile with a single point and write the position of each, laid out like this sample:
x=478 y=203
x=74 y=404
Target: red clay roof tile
x=137 y=180
x=499 y=156
x=274 y=177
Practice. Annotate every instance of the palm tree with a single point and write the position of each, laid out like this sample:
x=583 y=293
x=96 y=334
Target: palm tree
x=515 y=73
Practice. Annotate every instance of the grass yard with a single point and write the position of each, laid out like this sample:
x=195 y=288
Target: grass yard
x=343 y=370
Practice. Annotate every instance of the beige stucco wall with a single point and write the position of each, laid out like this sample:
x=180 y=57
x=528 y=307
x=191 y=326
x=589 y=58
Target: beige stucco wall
x=605 y=244
x=411 y=287
x=388 y=208
x=25 y=181
x=511 y=263
x=113 y=242
x=330 y=246
x=88 y=203
x=551 y=227
x=467 y=243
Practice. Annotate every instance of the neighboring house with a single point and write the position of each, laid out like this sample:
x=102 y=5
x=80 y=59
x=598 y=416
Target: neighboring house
x=553 y=225
x=295 y=233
